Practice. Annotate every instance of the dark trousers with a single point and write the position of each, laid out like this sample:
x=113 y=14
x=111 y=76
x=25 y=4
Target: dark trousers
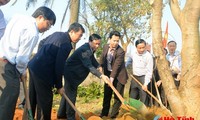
x=41 y=95
x=136 y=91
x=149 y=100
x=10 y=92
x=107 y=98
x=65 y=110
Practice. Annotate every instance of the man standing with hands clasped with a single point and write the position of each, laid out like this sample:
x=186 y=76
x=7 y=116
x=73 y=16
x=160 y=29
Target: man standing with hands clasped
x=16 y=46
x=113 y=65
x=174 y=57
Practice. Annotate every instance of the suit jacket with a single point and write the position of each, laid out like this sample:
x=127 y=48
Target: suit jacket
x=117 y=64
x=49 y=61
x=79 y=64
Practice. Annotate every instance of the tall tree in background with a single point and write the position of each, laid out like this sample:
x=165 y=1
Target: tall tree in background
x=73 y=5
x=74 y=16
x=185 y=101
x=127 y=16
x=74 y=11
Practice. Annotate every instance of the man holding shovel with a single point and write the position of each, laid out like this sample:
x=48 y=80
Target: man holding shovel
x=142 y=65
x=47 y=66
x=77 y=68
x=16 y=46
x=112 y=62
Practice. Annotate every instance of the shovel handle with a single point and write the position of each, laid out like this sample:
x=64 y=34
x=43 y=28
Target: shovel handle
x=115 y=91
x=28 y=106
x=147 y=91
x=119 y=96
x=73 y=106
x=162 y=106
x=158 y=94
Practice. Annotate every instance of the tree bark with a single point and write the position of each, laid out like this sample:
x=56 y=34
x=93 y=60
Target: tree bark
x=188 y=21
x=74 y=15
x=162 y=64
x=74 y=11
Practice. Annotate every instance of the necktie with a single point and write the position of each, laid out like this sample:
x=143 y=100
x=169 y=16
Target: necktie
x=109 y=59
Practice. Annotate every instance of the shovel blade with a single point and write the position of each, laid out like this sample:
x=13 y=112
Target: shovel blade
x=136 y=103
x=140 y=106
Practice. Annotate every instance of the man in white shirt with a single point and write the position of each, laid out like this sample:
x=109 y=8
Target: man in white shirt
x=142 y=65
x=16 y=46
x=174 y=58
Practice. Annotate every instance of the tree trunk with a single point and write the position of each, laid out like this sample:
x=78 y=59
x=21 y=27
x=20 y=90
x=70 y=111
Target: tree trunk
x=74 y=11
x=74 y=15
x=188 y=21
x=185 y=101
x=162 y=64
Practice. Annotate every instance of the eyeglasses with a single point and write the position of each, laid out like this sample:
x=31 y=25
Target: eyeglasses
x=79 y=34
x=49 y=24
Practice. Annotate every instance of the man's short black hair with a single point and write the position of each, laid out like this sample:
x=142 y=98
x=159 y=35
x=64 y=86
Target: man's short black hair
x=171 y=42
x=140 y=41
x=76 y=27
x=94 y=37
x=46 y=12
x=116 y=33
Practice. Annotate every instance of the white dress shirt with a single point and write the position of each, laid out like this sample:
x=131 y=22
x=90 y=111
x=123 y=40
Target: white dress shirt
x=142 y=64
x=20 y=38
x=175 y=61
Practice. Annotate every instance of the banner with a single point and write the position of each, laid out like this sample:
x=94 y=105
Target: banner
x=165 y=39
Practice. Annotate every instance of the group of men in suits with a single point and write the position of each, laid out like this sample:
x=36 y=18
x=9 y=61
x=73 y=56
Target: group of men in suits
x=111 y=68
x=112 y=65
x=49 y=64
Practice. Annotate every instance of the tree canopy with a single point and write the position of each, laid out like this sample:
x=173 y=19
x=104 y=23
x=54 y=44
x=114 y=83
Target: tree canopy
x=127 y=16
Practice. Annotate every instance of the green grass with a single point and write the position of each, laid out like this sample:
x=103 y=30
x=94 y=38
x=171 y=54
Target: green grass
x=86 y=95
x=90 y=92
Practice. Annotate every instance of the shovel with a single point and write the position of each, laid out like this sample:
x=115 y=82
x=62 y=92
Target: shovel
x=27 y=109
x=132 y=104
x=73 y=106
x=162 y=106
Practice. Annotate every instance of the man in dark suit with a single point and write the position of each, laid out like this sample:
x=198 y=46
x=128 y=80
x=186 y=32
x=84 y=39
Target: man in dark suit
x=77 y=68
x=113 y=65
x=47 y=66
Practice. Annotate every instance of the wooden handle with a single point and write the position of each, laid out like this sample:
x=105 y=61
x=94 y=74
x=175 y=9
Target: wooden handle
x=158 y=94
x=115 y=91
x=27 y=103
x=119 y=96
x=162 y=106
x=147 y=90
x=26 y=95
x=73 y=106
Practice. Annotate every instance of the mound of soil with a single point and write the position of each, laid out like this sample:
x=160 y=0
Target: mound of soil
x=19 y=114
x=91 y=111
x=90 y=116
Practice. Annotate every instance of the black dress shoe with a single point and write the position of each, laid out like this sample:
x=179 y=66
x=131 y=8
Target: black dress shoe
x=61 y=117
x=113 y=117
x=101 y=116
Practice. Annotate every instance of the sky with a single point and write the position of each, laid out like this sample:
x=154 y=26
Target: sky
x=59 y=8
